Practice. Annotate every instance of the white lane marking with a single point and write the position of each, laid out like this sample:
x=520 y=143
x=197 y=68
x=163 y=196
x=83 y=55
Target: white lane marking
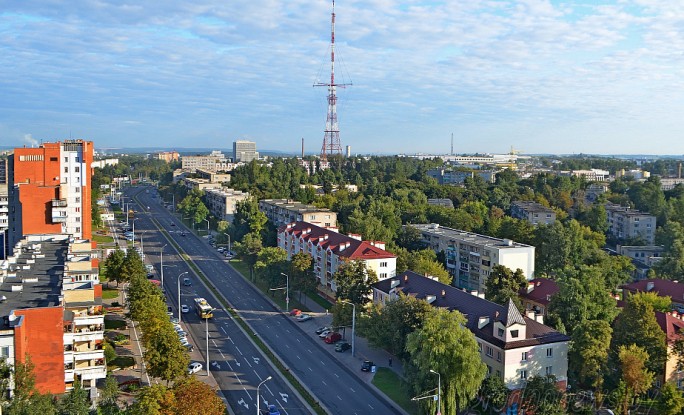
x=222 y=354
x=337 y=375
x=371 y=406
x=214 y=343
x=224 y=330
x=352 y=389
x=338 y=397
x=238 y=350
x=323 y=382
x=249 y=364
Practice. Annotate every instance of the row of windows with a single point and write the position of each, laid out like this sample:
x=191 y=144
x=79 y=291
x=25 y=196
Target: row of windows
x=489 y=351
x=548 y=370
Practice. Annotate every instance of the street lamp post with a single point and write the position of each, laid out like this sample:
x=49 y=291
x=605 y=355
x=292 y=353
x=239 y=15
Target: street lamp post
x=258 y=386
x=142 y=250
x=287 y=290
x=161 y=255
x=439 y=392
x=207 y=220
x=206 y=320
x=179 y=296
x=353 y=326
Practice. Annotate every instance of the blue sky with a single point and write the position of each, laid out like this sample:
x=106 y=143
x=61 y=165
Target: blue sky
x=542 y=76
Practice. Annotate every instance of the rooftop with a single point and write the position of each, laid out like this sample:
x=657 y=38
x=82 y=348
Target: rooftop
x=39 y=286
x=540 y=290
x=532 y=206
x=293 y=205
x=664 y=288
x=456 y=234
x=473 y=307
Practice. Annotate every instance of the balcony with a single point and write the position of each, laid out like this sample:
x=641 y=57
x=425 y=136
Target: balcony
x=57 y=203
x=92 y=372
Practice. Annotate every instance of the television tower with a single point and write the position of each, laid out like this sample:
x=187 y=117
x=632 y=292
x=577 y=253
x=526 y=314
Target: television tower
x=331 y=139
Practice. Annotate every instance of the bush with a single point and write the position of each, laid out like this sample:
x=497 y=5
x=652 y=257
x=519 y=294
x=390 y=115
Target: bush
x=109 y=352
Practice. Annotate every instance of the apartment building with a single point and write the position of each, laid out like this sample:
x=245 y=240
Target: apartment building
x=470 y=257
x=457 y=177
x=222 y=202
x=513 y=346
x=283 y=211
x=537 y=295
x=52 y=311
x=167 y=156
x=533 y=212
x=625 y=223
x=4 y=208
x=244 y=151
x=215 y=161
x=49 y=190
x=648 y=255
x=330 y=249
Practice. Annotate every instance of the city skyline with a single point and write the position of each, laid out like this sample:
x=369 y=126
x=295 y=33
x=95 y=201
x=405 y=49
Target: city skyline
x=543 y=77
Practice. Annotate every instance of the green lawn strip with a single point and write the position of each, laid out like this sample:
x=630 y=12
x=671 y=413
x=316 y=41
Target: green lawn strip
x=121 y=362
x=110 y=294
x=395 y=388
x=276 y=362
x=101 y=239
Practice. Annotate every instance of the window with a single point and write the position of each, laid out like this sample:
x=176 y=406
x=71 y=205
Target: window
x=77 y=169
x=549 y=352
x=66 y=170
x=524 y=357
x=53 y=158
x=76 y=159
x=78 y=218
x=383 y=264
x=549 y=370
x=489 y=370
x=78 y=209
x=523 y=374
x=78 y=190
x=501 y=332
x=479 y=347
x=78 y=230
x=383 y=275
x=4 y=351
x=498 y=373
x=78 y=200
x=66 y=159
x=490 y=351
x=498 y=356
x=514 y=333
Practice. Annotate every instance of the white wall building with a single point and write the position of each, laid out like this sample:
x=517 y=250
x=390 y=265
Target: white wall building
x=222 y=201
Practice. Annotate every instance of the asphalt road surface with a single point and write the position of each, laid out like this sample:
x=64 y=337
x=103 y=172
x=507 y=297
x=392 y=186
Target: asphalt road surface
x=338 y=389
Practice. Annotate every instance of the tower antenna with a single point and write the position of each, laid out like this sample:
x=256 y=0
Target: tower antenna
x=331 y=138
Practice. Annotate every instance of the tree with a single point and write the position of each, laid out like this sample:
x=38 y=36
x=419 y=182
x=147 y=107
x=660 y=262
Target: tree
x=637 y=325
x=247 y=219
x=542 y=396
x=670 y=401
x=387 y=326
x=503 y=284
x=114 y=265
x=301 y=274
x=422 y=262
x=248 y=249
x=271 y=261
x=354 y=281
x=494 y=392
x=108 y=404
x=445 y=343
x=27 y=400
x=154 y=400
x=76 y=402
x=588 y=354
x=197 y=398
x=166 y=358
x=635 y=374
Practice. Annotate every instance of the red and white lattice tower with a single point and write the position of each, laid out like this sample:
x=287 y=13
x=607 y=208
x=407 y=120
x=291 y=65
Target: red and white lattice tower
x=331 y=139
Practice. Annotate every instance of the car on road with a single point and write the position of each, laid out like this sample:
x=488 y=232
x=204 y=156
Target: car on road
x=187 y=282
x=185 y=309
x=183 y=233
x=367 y=366
x=342 y=347
x=322 y=329
x=295 y=312
x=273 y=410
x=332 y=337
x=304 y=317
x=173 y=224
x=194 y=367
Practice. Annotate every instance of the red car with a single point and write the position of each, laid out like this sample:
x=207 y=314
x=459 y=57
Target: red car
x=295 y=312
x=332 y=337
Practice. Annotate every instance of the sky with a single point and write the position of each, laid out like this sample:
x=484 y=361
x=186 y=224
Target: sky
x=558 y=77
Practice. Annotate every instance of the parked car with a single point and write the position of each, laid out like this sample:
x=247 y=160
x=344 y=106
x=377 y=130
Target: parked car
x=322 y=329
x=304 y=317
x=220 y=249
x=367 y=366
x=295 y=312
x=342 y=347
x=194 y=367
x=324 y=333
x=185 y=309
x=332 y=337
x=187 y=282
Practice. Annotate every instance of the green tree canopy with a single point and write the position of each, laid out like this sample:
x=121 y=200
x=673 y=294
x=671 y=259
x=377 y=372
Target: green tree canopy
x=353 y=281
x=503 y=284
x=588 y=354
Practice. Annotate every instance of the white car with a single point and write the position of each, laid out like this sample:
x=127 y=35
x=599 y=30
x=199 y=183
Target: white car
x=194 y=367
x=185 y=309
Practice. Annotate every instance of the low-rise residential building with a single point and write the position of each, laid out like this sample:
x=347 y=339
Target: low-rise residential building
x=537 y=295
x=592 y=175
x=330 y=249
x=625 y=223
x=212 y=176
x=447 y=203
x=513 y=346
x=216 y=161
x=661 y=287
x=100 y=164
x=199 y=184
x=283 y=211
x=52 y=311
x=669 y=183
x=470 y=257
x=533 y=212
x=672 y=325
x=222 y=202
x=647 y=254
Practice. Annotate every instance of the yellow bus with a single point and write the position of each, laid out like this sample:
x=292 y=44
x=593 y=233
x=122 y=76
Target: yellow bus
x=204 y=310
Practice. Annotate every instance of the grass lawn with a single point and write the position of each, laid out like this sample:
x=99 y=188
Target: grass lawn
x=109 y=294
x=121 y=362
x=395 y=388
x=103 y=239
x=114 y=324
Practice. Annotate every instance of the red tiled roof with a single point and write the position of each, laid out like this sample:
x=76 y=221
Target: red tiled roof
x=543 y=289
x=329 y=239
x=664 y=288
x=671 y=324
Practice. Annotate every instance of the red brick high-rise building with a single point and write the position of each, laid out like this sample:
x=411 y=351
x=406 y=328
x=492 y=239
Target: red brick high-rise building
x=49 y=190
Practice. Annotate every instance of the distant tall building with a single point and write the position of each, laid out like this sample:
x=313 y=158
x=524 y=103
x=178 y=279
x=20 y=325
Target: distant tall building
x=49 y=190
x=244 y=151
x=348 y=151
x=4 y=209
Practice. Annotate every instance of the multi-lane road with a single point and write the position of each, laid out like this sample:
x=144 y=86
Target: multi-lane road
x=242 y=366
